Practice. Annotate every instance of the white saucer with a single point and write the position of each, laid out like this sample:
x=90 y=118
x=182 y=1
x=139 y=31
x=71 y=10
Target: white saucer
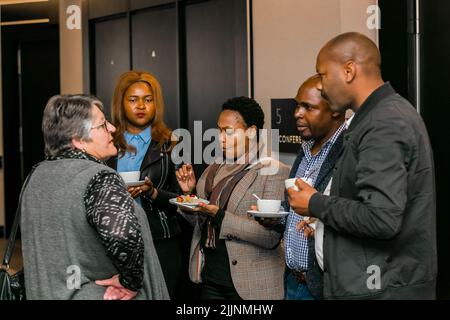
x=259 y=214
x=134 y=183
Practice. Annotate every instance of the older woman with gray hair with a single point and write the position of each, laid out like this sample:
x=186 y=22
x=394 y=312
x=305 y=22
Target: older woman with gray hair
x=83 y=237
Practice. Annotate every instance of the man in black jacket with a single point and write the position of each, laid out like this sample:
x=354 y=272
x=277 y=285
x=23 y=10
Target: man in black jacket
x=380 y=238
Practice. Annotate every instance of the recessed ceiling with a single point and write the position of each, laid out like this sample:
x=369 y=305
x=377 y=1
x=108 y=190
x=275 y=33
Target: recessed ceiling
x=20 y=10
x=6 y=2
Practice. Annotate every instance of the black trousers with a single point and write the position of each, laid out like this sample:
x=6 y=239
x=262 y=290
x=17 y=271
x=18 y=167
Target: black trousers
x=173 y=256
x=169 y=255
x=214 y=291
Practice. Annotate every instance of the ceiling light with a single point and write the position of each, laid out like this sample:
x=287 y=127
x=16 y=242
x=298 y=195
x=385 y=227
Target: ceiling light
x=5 y=2
x=15 y=23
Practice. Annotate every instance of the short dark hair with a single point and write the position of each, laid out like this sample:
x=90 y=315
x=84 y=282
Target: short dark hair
x=248 y=108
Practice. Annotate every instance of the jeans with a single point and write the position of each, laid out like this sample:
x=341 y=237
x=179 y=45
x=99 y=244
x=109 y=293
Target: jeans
x=295 y=290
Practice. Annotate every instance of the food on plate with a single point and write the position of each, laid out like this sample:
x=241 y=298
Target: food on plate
x=188 y=198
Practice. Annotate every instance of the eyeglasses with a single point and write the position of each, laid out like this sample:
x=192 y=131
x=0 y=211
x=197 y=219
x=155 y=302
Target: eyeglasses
x=103 y=125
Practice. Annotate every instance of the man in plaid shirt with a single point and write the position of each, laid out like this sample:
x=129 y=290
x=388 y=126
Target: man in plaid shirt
x=321 y=131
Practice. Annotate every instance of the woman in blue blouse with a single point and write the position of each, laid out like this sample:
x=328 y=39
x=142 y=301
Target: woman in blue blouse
x=144 y=145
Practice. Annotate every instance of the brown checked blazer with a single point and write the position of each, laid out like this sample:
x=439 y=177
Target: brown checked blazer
x=255 y=255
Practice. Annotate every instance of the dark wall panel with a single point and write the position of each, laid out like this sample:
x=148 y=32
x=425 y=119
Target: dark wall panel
x=140 y=4
x=103 y=8
x=216 y=50
x=112 y=57
x=154 y=49
x=197 y=49
x=37 y=58
x=393 y=42
x=27 y=95
x=11 y=134
x=436 y=112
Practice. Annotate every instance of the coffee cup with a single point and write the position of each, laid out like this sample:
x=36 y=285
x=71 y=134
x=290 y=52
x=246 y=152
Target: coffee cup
x=268 y=205
x=130 y=176
x=290 y=183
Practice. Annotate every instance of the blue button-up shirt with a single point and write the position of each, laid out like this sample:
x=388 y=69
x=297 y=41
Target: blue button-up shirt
x=141 y=141
x=296 y=245
x=131 y=161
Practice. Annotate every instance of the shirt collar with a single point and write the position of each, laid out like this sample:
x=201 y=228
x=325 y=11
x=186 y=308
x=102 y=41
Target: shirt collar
x=308 y=144
x=145 y=135
x=349 y=120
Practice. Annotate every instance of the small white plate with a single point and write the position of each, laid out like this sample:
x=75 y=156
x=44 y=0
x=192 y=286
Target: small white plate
x=279 y=214
x=183 y=206
x=188 y=204
x=134 y=183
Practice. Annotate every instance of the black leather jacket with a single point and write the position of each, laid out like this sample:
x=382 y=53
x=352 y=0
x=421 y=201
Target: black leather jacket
x=158 y=166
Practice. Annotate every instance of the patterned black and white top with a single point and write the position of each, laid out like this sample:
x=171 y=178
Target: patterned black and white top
x=110 y=211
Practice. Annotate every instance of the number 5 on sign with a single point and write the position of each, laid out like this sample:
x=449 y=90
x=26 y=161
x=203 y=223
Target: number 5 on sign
x=277 y=112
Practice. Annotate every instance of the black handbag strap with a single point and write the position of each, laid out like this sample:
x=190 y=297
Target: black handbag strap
x=15 y=226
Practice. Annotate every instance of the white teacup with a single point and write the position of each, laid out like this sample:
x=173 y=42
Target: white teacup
x=290 y=183
x=268 y=205
x=130 y=176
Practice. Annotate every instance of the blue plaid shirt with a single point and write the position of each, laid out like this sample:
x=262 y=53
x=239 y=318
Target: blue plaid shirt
x=295 y=243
